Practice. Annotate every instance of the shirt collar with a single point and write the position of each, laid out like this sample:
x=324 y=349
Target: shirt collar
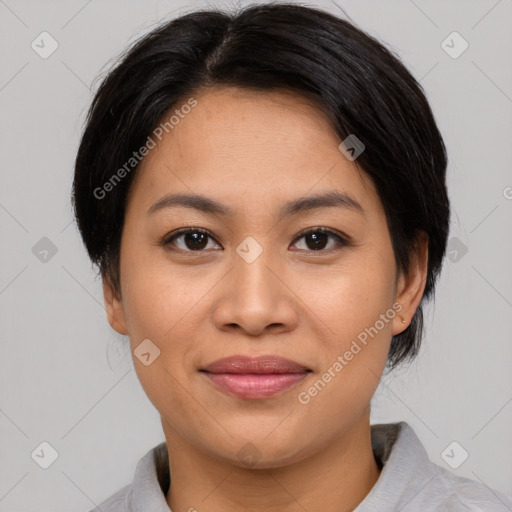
x=150 y=482
x=406 y=472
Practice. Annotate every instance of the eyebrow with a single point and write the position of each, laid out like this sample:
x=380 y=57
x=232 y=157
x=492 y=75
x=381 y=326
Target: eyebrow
x=205 y=204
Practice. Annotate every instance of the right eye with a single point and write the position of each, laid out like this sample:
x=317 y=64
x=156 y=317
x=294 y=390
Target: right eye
x=191 y=239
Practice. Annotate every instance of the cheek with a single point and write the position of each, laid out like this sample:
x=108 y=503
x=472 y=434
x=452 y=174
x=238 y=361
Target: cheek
x=169 y=308
x=354 y=297
x=353 y=361
x=159 y=310
x=356 y=305
x=158 y=298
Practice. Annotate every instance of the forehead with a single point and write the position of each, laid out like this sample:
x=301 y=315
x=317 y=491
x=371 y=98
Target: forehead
x=250 y=144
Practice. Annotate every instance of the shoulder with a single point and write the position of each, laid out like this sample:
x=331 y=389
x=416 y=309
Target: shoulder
x=115 y=503
x=147 y=490
x=410 y=482
x=452 y=492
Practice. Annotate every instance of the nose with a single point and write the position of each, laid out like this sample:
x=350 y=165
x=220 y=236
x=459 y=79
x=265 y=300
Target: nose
x=255 y=298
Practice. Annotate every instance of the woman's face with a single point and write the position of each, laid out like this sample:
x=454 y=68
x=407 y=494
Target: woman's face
x=252 y=282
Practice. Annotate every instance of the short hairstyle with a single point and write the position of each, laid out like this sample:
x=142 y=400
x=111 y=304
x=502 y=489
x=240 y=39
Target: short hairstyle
x=361 y=86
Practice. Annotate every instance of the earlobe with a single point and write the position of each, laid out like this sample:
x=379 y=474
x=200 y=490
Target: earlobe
x=114 y=308
x=410 y=286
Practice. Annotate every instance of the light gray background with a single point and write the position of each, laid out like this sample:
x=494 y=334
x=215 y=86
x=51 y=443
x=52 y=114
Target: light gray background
x=66 y=377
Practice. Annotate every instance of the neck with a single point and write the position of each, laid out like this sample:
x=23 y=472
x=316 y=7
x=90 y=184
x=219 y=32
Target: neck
x=335 y=479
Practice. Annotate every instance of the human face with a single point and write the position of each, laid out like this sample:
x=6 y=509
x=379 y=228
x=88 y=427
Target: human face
x=304 y=298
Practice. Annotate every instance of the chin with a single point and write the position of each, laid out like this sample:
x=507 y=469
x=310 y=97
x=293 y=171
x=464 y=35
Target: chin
x=261 y=449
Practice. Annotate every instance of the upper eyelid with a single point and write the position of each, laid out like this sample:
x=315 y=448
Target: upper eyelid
x=184 y=231
x=329 y=231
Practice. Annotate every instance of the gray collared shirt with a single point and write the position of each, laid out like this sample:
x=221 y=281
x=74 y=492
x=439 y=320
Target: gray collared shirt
x=409 y=481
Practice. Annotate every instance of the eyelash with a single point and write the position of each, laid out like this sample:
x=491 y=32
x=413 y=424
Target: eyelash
x=341 y=240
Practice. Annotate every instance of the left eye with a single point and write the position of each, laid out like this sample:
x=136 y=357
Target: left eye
x=196 y=239
x=317 y=239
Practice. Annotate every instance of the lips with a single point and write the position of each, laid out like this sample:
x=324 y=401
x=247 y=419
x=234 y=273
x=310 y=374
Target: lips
x=258 y=365
x=255 y=378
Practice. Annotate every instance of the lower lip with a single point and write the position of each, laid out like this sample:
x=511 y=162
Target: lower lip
x=255 y=386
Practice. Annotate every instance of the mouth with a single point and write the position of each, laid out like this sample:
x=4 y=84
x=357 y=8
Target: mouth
x=255 y=378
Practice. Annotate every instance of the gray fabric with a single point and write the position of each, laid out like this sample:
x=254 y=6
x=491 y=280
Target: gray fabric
x=408 y=482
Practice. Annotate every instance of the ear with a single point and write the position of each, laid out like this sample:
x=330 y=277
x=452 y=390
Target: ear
x=410 y=286
x=114 y=307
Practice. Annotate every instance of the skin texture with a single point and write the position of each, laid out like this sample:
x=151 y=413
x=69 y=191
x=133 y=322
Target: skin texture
x=253 y=151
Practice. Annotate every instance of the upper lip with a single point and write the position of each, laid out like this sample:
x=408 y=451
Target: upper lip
x=261 y=364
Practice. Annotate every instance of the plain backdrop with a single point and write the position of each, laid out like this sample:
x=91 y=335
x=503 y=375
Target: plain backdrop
x=67 y=378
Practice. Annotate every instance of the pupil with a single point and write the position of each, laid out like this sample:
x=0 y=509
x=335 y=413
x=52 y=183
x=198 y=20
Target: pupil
x=319 y=240
x=196 y=240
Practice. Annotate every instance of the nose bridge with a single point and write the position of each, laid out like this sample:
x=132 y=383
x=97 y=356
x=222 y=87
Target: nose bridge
x=253 y=263
x=254 y=298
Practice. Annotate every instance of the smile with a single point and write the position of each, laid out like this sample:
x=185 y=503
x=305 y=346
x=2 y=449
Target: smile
x=255 y=378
